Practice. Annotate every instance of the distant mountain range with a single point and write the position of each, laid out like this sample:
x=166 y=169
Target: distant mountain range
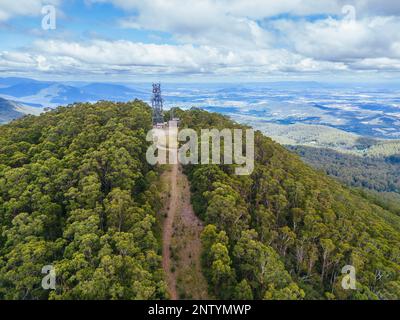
x=52 y=94
x=10 y=110
x=367 y=110
x=20 y=96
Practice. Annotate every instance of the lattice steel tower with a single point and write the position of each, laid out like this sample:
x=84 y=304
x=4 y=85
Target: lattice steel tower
x=157 y=104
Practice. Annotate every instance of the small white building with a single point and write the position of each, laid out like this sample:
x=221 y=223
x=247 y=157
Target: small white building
x=160 y=125
x=174 y=122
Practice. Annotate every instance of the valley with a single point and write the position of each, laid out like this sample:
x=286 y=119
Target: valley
x=367 y=109
x=10 y=110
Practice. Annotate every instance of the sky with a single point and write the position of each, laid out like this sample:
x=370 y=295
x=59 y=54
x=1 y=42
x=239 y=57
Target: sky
x=201 y=40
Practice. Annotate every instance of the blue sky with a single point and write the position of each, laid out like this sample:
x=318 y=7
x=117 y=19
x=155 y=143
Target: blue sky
x=202 y=40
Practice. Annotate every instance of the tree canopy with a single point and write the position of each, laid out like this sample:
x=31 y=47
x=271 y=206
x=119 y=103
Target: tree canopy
x=286 y=231
x=76 y=193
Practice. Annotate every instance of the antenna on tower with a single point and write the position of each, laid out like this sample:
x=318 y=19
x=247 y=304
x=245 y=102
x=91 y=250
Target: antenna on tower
x=157 y=104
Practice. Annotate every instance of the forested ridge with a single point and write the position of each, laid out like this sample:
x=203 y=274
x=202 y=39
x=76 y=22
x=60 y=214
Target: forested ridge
x=375 y=178
x=286 y=231
x=76 y=192
x=377 y=173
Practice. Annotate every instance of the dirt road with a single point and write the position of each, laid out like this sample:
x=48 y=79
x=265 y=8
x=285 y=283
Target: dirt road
x=168 y=230
x=181 y=242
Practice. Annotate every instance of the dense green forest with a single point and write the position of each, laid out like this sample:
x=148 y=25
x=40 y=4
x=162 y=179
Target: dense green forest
x=286 y=231
x=77 y=193
x=381 y=174
x=376 y=178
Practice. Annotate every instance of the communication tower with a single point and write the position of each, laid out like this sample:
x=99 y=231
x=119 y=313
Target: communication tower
x=157 y=104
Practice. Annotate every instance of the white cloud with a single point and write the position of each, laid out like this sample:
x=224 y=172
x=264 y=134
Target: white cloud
x=225 y=37
x=199 y=22
x=376 y=7
x=11 y=8
x=378 y=64
x=136 y=58
x=200 y=11
x=235 y=25
x=342 y=40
